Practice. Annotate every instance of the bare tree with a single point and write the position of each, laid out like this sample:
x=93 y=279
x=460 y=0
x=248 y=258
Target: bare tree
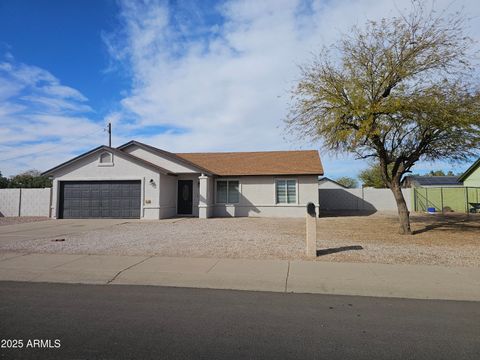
x=395 y=91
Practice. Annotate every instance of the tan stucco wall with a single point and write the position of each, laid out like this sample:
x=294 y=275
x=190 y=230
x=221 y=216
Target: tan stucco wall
x=168 y=196
x=158 y=160
x=122 y=169
x=257 y=197
x=473 y=179
x=159 y=199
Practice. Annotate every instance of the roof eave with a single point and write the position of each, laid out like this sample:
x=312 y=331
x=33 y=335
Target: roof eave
x=469 y=171
x=273 y=174
x=166 y=153
x=50 y=172
x=136 y=159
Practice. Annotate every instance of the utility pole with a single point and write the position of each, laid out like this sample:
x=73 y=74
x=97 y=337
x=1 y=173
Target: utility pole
x=109 y=134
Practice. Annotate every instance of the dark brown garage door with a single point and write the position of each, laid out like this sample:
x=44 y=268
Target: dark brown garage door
x=100 y=199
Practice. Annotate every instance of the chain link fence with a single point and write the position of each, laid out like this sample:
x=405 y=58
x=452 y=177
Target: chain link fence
x=447 y=199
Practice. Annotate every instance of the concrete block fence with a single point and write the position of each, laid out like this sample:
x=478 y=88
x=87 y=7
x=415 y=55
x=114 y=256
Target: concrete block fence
x=25 y=202
x=367 y=199
x=37 y=202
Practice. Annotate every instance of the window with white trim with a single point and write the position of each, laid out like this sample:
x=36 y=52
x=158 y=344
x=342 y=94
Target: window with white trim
x=286 y=191
x=228 y=192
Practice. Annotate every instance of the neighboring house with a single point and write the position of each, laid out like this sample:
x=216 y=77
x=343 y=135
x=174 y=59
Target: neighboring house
x=471 y=177
x=327 y=183
x=137 y=180
x=431 y=181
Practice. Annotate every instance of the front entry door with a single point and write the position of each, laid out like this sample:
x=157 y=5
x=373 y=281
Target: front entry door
x=185 y=197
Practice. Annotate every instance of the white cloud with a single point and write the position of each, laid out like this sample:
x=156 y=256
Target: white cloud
x=216 y=79
x=41 y=118
x=229 y=85
x=64 y=92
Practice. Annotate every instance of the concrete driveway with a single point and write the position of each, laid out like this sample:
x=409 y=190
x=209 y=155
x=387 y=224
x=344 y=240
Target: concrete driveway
x=54 y=228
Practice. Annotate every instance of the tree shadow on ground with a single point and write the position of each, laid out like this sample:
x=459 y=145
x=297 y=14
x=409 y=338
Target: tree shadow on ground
x=338 y=249
x=452 y=222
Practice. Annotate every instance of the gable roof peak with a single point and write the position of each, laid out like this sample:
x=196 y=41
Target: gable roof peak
x=165 y=153
x=470 y=170
x=111 y=150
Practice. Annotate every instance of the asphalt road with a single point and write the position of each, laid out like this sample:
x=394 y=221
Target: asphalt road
x=142 y=322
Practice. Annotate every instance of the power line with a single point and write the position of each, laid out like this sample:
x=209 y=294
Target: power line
x=52 y=148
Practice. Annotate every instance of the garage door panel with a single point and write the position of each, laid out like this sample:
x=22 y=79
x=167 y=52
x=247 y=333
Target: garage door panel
x=100 y=199
x=117 y=213
x=95 y=203
x=96 y=213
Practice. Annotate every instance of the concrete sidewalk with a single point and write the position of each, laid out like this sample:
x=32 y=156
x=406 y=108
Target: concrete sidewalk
x=404 y=281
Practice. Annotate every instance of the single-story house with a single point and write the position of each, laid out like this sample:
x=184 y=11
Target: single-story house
x=137 y=180
x=327 y=183
x=431 y=181
x=471 y=177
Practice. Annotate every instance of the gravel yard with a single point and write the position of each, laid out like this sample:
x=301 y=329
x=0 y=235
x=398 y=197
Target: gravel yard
x=21 y=220
x=443 y=240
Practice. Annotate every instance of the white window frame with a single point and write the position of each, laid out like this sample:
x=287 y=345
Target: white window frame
x=105 y=163
x=228 y=202
x=275 y=192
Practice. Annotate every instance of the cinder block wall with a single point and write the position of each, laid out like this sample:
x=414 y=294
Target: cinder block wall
x=25 y=202
x=367 y=199
x=9 y=202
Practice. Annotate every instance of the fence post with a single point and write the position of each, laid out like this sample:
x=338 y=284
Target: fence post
x=466 y=200
x=311 y=223
x=426 y=199
x=441 y=197
x=19 y=202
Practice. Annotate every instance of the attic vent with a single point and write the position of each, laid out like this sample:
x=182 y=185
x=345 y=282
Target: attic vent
x=105 y=158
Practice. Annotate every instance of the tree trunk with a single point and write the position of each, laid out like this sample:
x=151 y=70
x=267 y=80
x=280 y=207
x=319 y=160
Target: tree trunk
x=403 y=213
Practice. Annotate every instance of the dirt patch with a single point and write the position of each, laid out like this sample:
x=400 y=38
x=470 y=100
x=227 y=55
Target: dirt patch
x=21 y=219
x=452 y=239
x=439 y=240
x=454 y=229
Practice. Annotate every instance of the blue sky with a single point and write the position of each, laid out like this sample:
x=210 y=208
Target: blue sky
x=184 y=76
x=64 y=37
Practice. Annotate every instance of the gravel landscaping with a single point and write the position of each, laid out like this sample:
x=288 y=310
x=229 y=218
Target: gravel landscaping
x=442 y=240
x=21 y=220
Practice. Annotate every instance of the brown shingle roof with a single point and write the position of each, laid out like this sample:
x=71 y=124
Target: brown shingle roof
x=301 y=162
